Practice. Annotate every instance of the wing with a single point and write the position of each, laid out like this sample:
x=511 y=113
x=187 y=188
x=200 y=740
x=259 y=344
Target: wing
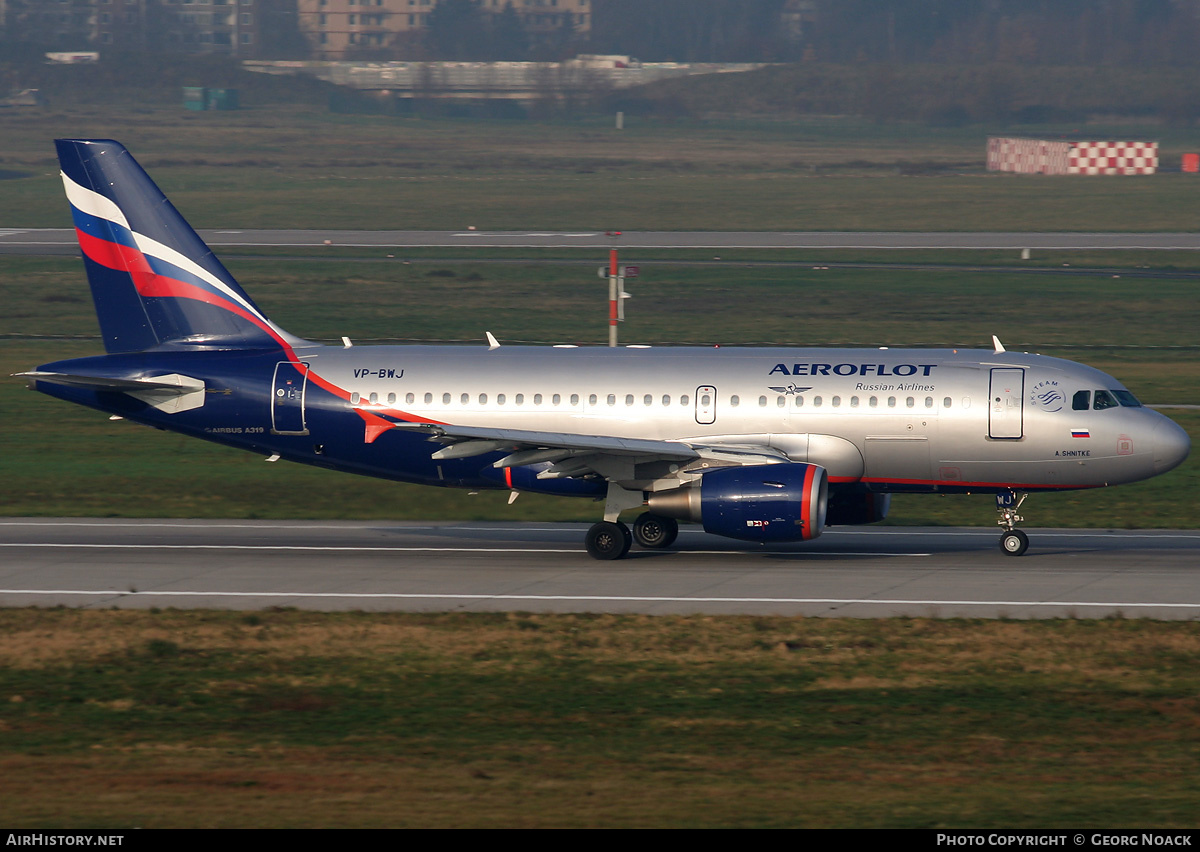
x=632 y=463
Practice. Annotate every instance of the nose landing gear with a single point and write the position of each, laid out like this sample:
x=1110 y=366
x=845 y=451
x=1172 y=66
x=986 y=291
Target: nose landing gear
x=1013 y=541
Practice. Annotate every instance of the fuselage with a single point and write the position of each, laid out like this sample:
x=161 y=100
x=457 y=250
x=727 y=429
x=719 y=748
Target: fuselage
x=889 y=419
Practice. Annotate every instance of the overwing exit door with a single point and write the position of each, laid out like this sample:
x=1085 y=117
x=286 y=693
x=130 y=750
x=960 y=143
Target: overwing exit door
x=706 y=405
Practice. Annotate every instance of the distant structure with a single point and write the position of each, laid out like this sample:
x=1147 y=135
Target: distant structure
x=190 y=26
x=1055 y=157
x=337 y=29
x=584 y=75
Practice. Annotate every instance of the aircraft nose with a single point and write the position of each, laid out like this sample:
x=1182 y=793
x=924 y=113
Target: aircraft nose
x=1171 y=445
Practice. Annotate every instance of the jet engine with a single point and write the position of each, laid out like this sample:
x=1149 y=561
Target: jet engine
x=770 y=502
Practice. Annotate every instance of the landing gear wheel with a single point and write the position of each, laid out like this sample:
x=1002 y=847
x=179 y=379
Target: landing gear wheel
x=655 y=531
x=608 y=540
x=1014 y=542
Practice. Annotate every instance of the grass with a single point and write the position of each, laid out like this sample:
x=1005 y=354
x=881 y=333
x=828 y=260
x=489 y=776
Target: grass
x=288 y=719
x=296 y=167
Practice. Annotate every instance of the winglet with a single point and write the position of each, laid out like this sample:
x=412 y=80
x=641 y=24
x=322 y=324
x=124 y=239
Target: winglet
x=493 y=343
x=999 y=347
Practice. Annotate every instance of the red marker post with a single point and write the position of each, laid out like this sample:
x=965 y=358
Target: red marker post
x=614 y=291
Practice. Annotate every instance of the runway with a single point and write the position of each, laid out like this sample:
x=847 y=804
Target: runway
x=393 y=566
x=63 y=241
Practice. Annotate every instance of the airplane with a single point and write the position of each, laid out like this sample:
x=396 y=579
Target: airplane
x=757 y=444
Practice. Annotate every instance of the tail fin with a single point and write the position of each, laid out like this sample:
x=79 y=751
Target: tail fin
x=153 y=280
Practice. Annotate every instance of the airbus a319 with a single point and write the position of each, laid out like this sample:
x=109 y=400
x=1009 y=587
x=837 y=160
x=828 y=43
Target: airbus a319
x=762 y=445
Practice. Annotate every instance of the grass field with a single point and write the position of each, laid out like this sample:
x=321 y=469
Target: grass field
x=300 y=168
x=287 y=719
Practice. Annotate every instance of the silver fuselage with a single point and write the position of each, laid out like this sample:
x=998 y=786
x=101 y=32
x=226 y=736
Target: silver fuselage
x=893 y=419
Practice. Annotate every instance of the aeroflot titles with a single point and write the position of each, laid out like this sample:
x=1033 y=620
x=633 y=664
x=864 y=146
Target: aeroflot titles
x=852 y=369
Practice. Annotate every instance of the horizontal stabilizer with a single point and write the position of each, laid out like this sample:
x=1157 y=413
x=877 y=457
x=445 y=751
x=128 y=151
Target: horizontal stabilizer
x=171 y=393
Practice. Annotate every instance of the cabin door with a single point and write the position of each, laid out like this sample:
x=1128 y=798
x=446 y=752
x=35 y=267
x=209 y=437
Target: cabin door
x=1005 y=415
x=287 y=398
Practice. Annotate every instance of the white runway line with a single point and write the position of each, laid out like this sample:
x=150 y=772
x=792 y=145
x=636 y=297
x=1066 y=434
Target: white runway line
x=591 y=598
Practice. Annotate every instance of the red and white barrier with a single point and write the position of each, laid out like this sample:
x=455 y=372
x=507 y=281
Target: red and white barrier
x=1045 y=157
x=1113 y=158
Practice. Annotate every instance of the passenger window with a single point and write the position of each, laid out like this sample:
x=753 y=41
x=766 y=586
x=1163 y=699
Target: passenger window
x=816 y=402
x=354 y=398
x=465 y=399
x=391 y=399
x=683 y=400
x=574 y=399
x=409 y=399
x=591 y=399
x=800 y=401
x=666 y=399
x=612 y=399
x=374 y=398
x=1104 y=400
x=445 y=399
x=537 y=399
x=1082 y=401
x=836 y=401
x=762 y=402
x=647 y=400
x=733 y=401
x=946 y=402
x=629 y=399
x=519 y=399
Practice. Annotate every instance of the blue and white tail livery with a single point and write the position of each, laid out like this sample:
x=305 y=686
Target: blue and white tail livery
x=761 y=445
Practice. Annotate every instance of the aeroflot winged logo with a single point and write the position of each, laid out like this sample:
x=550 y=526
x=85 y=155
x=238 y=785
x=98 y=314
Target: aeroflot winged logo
x=852 y=370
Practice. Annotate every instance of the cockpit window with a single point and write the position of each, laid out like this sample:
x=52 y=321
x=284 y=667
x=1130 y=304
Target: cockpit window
x=1104 y=400
x=1082 y=401
x=1127 y=399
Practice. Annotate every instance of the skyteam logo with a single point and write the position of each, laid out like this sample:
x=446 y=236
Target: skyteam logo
x=1047 y=396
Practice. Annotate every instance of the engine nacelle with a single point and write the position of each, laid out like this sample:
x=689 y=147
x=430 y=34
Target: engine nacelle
x=770 y=502
x=855 y=505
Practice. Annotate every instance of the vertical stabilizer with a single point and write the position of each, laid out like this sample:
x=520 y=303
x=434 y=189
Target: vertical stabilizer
x=153 y=279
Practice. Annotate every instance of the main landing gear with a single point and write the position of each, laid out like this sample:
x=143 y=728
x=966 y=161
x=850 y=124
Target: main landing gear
x=612 y=539
x=1013 y=541
x=608 y=540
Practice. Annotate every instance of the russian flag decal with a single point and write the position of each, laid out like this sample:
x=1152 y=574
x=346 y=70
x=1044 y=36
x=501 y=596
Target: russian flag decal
x=1080 y=433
